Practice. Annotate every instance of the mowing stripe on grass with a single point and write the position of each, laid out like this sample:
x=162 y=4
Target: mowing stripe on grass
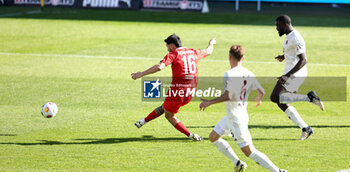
x=10 y=14
x=148 y=58
x=20 y=13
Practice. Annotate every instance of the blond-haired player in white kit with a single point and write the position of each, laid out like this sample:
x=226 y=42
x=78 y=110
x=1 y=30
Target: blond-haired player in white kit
x=238 y=82
x=293 y=76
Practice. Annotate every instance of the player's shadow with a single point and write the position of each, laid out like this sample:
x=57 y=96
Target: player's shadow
x=280 y=126
x=8 y=134
x=87 y=141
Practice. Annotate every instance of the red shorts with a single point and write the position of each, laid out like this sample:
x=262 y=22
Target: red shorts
x=173 y=104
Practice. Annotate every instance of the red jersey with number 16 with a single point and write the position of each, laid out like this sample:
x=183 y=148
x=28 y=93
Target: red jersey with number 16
x=184 y=63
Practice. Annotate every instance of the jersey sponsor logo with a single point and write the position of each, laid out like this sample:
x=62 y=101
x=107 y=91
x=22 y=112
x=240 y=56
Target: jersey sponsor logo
x=106 y=3
x=151 y=89
x=188 y=52
x=173 y=4
x=46 y=2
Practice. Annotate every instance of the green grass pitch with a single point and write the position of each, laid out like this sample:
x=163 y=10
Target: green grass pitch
x=82 y=60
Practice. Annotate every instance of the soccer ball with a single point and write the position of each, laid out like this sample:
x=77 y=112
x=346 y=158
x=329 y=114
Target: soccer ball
x=49 y=110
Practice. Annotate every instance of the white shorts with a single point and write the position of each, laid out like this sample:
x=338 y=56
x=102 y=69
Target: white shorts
x=293 y=83
x=240 y=131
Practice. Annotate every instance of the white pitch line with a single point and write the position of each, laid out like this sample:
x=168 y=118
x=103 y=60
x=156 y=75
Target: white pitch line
x=150 y=58
x=226 y=61
x=34 y=12
x=346 y=170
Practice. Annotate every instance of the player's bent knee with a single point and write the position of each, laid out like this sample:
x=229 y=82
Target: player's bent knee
x=168 y=115
x=247 y=150
x=213 y=136
x=283 y=107
x=274 y=98
x=247 y=154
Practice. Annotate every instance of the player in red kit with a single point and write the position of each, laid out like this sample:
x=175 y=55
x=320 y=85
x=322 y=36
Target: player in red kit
x=184 y=77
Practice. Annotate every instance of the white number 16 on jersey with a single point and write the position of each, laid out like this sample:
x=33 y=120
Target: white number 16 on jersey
x=190 y=64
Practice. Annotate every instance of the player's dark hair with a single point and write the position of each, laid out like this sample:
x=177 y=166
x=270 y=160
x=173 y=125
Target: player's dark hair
x=285 y=19
x=174 y=39
x=237 y=52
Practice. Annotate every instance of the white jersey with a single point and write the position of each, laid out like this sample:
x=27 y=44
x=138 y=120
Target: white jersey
x=239 y=81
x=294 y=45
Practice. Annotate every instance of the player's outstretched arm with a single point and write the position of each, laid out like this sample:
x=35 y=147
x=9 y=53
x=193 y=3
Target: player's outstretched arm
x=205 y=103
x=210 y=47
x=151 y=70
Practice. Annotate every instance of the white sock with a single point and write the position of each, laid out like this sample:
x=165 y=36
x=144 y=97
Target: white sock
x=226 y=149
x=286 y=98
x=263 y=160
x=143 y=121
x=293 y=114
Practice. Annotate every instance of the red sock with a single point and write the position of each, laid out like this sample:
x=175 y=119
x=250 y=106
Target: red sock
x=151 y=116
x=179 y=126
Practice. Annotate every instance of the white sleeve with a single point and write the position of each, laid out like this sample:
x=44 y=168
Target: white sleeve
x=299 y=45
x=256 y=85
